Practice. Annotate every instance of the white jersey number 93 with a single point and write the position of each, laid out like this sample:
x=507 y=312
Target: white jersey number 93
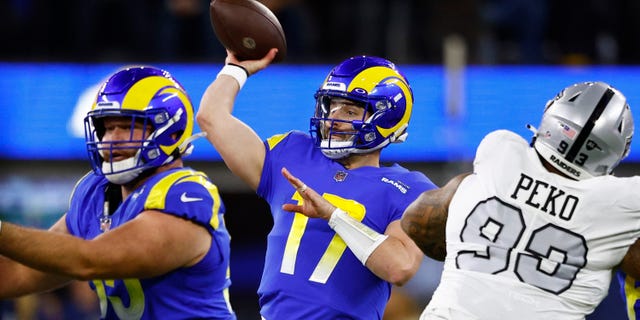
x=549 y=257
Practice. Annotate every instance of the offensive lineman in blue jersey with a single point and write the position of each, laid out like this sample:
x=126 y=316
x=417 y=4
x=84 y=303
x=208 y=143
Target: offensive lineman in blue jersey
x=342 y=268
x=147 y=232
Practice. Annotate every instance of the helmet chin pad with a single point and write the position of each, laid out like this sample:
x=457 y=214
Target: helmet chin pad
x=336 y=149
x=123 y=171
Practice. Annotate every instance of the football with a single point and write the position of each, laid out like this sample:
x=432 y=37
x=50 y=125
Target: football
x=247 y=28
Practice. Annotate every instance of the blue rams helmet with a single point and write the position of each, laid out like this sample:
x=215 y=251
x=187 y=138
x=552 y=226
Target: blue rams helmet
x=148 y=96
x=585 y=130
x=376 y=85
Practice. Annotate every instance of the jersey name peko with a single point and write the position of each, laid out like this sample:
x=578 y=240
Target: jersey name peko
x=543 y=196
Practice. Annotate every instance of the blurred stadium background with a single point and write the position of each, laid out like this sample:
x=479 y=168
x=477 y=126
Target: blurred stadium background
x=474 y=65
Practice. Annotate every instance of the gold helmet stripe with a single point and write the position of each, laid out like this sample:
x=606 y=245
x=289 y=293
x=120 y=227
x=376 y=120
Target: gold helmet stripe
x=370 y=77
x=140 y=94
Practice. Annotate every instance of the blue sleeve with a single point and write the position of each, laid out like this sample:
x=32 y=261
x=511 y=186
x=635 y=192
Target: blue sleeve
x=275 y=147
x=417 y=183
x=189 y=195
x=85 y=205
x=630 y=294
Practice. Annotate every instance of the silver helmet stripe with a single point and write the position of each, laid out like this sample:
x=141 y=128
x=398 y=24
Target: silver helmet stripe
x=588 y=126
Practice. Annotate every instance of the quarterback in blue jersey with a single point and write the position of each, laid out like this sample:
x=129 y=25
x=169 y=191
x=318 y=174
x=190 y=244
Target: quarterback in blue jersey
x=338 y=266
x=145 y=231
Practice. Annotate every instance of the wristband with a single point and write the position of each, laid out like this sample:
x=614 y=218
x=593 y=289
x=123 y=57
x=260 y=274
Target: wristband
x=361 y=239
x=235 y=71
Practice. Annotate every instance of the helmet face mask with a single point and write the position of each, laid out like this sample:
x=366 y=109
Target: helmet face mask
x=585 y=130
x=138 y=134
x=160 y=117
x=339 y=122
x=380 y=89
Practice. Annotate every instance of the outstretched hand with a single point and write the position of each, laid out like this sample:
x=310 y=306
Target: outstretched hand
x=313 y=206
x=252 y=66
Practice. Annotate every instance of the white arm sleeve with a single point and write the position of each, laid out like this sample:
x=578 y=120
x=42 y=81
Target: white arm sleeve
x=361 y=239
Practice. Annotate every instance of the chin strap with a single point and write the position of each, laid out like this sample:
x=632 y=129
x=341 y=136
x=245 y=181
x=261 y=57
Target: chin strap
x=186 y=148
x=121 y=172
x=400 y=135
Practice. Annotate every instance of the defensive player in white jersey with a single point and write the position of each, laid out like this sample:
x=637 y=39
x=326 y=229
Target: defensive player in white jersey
x=536 y=230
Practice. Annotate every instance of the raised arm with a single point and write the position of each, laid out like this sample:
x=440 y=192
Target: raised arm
x=426 y=218
x=240 y=147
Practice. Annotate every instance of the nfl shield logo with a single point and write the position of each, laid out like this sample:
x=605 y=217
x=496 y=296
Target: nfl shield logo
x=105 y=223
x=340 y=176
